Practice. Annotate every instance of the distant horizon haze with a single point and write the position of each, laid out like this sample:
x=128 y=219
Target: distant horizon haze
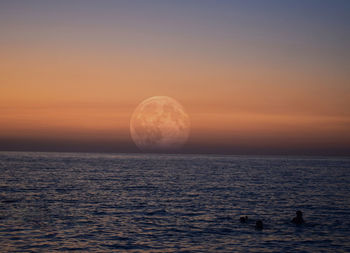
x=254 y=77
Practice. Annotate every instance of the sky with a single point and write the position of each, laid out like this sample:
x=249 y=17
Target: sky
x=255 y=77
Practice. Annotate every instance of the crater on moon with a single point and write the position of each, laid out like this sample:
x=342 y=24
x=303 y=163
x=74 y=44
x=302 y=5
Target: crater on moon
x=159 y=124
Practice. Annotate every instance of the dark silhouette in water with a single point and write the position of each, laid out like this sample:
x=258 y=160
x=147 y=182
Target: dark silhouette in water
x=259 y=225
x=243 y=219
x=299 y=218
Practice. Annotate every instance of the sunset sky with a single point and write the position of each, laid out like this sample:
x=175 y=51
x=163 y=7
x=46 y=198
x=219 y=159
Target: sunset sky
x=256 y=77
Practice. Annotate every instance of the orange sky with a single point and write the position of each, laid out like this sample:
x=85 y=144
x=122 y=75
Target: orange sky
x=261 y=92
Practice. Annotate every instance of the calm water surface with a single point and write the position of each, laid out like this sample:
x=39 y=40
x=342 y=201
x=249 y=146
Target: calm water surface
x=172 y=203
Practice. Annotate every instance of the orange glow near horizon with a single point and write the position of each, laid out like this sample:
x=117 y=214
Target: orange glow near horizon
x=82 y=81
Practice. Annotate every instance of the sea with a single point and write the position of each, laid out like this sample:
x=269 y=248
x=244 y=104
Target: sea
x=87 y=202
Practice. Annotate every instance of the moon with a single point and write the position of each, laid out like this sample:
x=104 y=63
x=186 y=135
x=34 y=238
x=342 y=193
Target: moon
x=159 y=124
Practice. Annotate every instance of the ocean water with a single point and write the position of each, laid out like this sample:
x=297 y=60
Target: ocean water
x=172 y=203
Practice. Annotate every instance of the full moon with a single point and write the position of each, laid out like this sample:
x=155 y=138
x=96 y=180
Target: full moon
x=159 y=124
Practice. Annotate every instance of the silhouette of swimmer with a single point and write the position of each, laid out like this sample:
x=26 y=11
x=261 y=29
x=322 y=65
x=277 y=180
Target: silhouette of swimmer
x=259 y=225
x=299 y=218
x=243 y=219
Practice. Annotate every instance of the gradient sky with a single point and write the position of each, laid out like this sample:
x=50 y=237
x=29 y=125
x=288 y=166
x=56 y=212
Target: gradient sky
x=256 y=77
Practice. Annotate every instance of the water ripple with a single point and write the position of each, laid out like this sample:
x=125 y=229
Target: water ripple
x=172 y=203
